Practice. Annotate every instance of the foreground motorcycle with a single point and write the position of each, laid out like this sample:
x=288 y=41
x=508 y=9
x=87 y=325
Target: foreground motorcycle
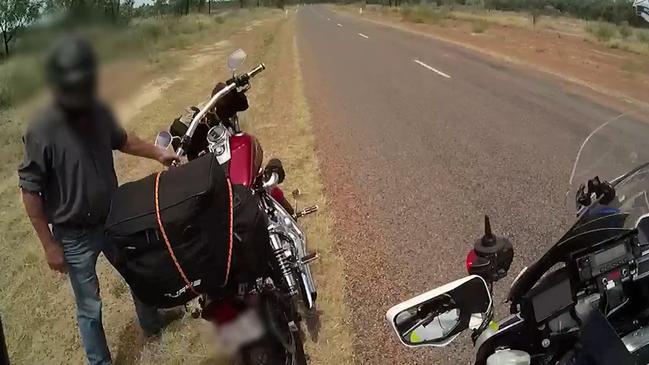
x=271 y=305
x=586 y=300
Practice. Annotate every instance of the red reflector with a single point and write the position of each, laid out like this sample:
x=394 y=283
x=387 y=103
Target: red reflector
x=470 y=259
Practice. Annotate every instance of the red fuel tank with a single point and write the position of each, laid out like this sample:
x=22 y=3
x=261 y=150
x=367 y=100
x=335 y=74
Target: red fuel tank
x=246 y=158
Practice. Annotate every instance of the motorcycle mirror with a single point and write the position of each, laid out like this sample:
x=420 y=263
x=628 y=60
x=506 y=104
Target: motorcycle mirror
x=163 y=139
x=236 y=59
x=437 y=317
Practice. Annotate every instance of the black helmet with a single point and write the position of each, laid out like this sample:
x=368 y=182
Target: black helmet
x=72 y=73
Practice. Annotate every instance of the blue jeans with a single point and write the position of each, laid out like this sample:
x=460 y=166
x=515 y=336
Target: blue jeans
x=81 y=247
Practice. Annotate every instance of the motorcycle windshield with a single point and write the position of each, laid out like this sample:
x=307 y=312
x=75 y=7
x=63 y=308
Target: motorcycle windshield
x=617 y=152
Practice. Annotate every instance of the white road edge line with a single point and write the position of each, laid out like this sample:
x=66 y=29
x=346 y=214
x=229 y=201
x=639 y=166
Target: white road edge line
x=340 y=25
x=363 y=35
x=432 y=69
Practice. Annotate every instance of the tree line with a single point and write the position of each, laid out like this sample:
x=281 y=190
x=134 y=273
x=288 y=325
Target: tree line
x=614 y=11
x=17 y=16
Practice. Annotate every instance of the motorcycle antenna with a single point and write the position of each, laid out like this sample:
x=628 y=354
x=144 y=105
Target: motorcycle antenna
x=488 y=239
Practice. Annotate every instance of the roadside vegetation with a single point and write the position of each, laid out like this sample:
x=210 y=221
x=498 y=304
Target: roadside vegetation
x=612 y=23
x=117 y=28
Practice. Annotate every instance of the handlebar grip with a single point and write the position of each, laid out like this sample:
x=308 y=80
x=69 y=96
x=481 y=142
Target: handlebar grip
x=256 y=70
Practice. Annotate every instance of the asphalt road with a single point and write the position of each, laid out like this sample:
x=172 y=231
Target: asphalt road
x=418 y=139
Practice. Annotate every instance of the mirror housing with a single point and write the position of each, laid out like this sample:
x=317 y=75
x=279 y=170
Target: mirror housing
x=236 y=59
x=437 y=317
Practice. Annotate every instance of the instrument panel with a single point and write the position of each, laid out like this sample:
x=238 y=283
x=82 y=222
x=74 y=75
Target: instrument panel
x=616 y=260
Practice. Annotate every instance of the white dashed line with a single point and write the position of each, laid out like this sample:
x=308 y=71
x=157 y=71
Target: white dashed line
x=340 y=25
x=328 y=19
x=432 y=69
x=363 y=35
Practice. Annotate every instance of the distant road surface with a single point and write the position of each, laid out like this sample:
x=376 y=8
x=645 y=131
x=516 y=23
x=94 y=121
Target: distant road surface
x=418 y=139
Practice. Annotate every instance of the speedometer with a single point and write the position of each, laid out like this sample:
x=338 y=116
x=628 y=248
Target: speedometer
x=216 y=134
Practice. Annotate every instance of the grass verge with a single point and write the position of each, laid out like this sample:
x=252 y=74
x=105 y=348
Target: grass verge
x=620 y=36
x=280 y=118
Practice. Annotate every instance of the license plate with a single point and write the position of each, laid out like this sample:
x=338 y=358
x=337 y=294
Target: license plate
x=244 y=329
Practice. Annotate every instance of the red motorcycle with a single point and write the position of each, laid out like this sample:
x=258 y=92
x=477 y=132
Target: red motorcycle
x=262 y=321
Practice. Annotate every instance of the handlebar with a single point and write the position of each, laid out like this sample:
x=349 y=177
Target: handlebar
x=238 y=81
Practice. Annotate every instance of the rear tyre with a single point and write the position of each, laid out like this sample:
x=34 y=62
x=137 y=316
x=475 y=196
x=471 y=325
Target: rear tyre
x=282 y=344
x=269 y=351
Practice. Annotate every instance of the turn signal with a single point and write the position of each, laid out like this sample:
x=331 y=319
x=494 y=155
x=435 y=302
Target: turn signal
x=471 y=257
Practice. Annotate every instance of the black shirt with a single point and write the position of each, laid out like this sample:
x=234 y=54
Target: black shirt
x=69 y=161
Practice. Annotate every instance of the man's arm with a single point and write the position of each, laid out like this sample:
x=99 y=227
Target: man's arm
x=32 y=179
x=133 y=145
x=36 y=212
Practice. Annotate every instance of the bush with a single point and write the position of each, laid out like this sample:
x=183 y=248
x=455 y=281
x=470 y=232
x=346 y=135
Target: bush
x=423 y=14
x=625 y=30
x=601 y=30
x=19 y=78
x=479 y=26
x=642 y=35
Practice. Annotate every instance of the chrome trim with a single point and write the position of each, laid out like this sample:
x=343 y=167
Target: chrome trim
x=637 y=339
x=285 y=226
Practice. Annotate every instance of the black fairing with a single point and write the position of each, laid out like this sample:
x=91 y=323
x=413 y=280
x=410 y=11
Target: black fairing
x=589 y=231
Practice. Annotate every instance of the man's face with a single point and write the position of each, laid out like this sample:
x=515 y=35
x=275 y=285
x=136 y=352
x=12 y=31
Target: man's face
x=77 y=96
x=72 y=74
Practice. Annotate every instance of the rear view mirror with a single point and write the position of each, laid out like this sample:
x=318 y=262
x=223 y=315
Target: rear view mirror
x=437 y=317
x=163 y=139
x=236 y=59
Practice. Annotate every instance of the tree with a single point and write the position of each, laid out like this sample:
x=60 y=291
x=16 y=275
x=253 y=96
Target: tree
x=159 y=6
x=14 y=16
x=127 y=8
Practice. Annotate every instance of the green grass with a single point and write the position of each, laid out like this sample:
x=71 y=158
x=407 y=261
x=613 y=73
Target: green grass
x=423 y=14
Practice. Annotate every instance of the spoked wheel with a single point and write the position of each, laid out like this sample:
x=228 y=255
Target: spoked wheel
x=282 y=345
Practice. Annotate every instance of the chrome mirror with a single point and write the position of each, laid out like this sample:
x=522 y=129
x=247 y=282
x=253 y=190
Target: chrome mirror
x=163 y=139
x=236 y=59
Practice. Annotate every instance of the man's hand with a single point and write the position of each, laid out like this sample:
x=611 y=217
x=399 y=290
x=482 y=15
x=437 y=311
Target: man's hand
x=137 y=147
x=167 y=157
x=55 y=258
x=36 y=212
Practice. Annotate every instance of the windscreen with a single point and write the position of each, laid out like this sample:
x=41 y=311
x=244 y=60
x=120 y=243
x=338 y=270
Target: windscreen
x=616 y=151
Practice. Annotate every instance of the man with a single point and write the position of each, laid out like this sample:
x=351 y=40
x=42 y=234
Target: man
x=67 y=179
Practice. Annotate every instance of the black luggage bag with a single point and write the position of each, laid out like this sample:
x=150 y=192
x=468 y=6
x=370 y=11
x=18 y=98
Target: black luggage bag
x=204 y=241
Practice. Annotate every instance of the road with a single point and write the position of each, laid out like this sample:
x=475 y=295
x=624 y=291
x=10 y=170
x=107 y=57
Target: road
x=417 y=140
